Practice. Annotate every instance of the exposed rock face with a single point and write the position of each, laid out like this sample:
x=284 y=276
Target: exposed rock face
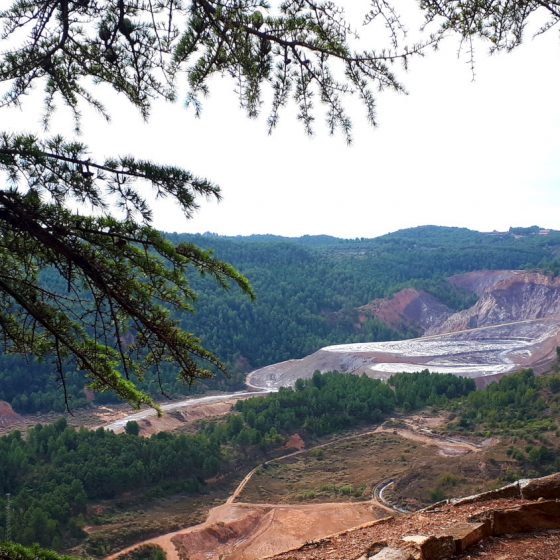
x=409 y=309
x=436 y=548
x=392 y=554
x=7 y=415
x=466 y=535
x=546 y=487
x=450 y=530
x=508 y=491
x=506 y=296
x=525 y=518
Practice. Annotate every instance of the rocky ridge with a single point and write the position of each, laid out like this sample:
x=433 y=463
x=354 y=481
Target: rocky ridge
x=504 y=297
x=457 y=530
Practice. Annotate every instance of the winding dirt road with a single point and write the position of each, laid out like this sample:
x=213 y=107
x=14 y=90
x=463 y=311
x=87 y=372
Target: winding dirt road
x=449 y=447
x=242 y=531
x=118 y=425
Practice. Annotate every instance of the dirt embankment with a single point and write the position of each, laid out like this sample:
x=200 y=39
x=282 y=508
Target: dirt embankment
x=179 y=416
x=446 y=447
x=504 y=296
x=8 y=418
x=480 y=281
x=390 y=532
x=248 y=531
x=180 y=419
x=408 y=309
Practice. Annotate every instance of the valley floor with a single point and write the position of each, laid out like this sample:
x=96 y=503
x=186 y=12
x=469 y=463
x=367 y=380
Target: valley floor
x=283 y=503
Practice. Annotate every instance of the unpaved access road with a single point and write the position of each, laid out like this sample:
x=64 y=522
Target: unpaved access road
x=448 y=447
x=118 y=425
x=249 y=531
x=244 y=531
x=483 y=353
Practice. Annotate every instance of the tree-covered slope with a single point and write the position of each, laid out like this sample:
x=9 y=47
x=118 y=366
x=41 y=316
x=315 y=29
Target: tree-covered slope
x=308 y=291
x=55 y=472
x=300 y=283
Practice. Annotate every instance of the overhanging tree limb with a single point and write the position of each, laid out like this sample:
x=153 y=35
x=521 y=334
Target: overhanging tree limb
x=121 y=277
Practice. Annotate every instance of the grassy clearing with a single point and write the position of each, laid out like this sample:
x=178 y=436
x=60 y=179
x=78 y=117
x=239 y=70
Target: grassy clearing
x=451 y=477
x=343 y=471
x=348 y=470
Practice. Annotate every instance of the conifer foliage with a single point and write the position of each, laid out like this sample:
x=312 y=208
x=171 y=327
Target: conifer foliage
x=110 y=314
x=120 y=275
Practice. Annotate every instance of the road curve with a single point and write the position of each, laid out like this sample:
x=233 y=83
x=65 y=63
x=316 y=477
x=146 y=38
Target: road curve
x=378 y=497
x=147 y=413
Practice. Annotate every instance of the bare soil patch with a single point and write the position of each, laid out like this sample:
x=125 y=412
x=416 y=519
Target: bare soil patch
x=249 y=531
x=181 y=419
x=484 y=354
x=93 y=417
x=88 y=417
x=426 y=467
x=441 y=478
x=8 y=417
x=115 y=524
x=352 y=544
x=329 y=488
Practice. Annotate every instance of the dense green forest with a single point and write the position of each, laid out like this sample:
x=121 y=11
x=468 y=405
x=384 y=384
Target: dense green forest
x=523 y=408
x=331 y=402
x=418 y=390
x=520 y=404
x=308 y=290
x=56 y=471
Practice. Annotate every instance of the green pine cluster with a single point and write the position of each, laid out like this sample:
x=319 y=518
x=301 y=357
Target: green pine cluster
x=308 y=290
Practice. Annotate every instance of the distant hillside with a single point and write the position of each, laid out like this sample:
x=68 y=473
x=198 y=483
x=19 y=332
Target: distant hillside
x=310 y=293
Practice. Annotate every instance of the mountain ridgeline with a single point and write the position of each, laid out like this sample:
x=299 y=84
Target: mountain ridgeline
x=311 y=291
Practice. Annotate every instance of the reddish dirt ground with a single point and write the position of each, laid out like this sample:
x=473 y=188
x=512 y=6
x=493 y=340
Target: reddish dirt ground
x=177 y=419
x=538 y=546
x=296 y=442
x=8 y=418
x=100 y=416
x=354 y=543
x=243 y=531
x=250 y=531
x=408 y=308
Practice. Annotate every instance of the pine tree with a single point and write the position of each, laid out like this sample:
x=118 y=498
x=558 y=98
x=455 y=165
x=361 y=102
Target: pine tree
x=110 y=315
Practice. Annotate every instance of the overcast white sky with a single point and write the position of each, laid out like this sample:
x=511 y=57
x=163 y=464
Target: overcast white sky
x=483 y=155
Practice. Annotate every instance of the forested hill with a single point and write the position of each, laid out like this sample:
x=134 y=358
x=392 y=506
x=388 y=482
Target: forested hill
x=308 y=288
x=308 y=291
